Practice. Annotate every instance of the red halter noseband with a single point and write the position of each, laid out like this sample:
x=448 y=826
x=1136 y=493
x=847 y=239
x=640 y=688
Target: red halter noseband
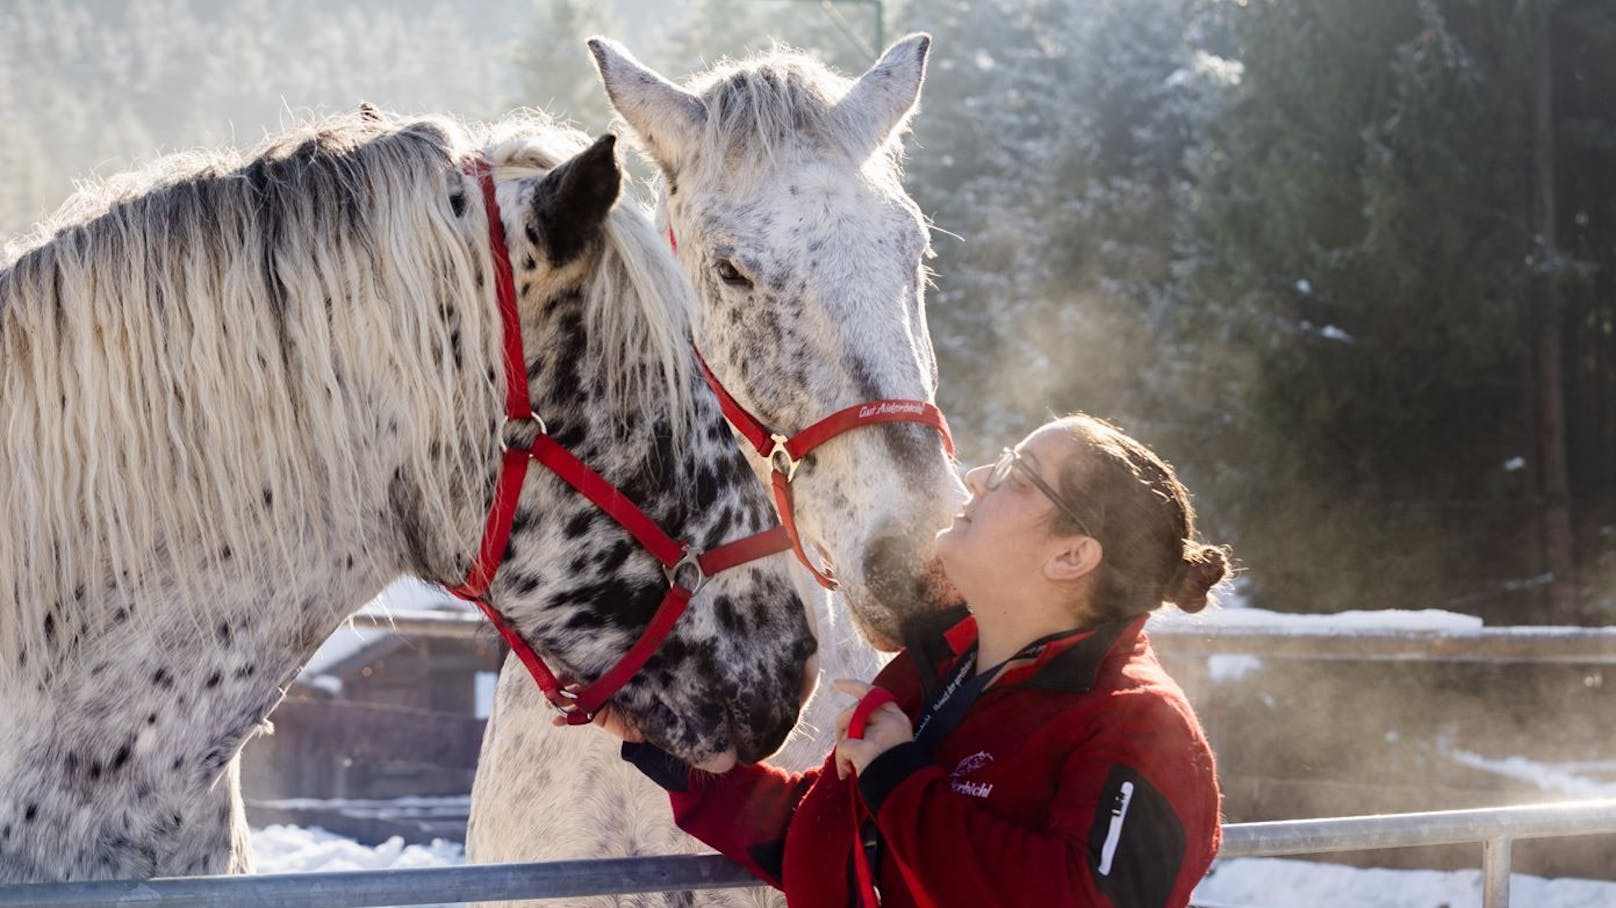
x=686 y=569
x=785 y=453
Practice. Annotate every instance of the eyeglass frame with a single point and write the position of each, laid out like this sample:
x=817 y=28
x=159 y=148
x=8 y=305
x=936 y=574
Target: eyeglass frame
x=1011 y=458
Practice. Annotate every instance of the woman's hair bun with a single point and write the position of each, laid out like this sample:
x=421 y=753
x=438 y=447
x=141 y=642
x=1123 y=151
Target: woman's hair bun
x=1202 y=568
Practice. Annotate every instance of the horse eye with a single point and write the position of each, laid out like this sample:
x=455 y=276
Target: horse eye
x=730 y=275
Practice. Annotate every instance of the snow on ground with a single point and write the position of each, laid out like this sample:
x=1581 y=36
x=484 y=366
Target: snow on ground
x=293 y=849
x=1242 y=883
x=1570 y=779
x=1279 y=883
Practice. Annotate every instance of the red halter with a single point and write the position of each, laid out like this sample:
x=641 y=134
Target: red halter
x=687 y=570
x=786 y=453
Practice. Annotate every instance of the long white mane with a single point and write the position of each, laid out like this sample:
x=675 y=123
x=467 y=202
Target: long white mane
x=192 y=354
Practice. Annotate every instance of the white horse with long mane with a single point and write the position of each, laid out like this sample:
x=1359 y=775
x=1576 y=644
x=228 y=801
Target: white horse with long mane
x=243 y=392
x=782 y=190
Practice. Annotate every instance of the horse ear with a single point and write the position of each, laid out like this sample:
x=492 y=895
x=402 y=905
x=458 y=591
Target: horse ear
x=882 y=100
x=667 y=118
x=571 y=202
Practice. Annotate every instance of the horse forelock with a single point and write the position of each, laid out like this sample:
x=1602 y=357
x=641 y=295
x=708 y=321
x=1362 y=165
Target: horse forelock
x=769 y=110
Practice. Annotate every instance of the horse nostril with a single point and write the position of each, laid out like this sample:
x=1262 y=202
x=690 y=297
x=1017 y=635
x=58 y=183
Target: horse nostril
x=887 y=556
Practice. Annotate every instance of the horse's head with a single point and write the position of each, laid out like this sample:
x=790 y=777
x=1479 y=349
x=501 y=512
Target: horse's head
x=610 y=374
x=782 y=190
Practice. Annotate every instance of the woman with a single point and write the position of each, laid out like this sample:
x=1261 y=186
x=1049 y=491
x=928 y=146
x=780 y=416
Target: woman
x=1055 y=762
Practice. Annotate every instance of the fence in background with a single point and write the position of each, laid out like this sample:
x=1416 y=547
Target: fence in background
x=1495 y=829
x=1580 y=645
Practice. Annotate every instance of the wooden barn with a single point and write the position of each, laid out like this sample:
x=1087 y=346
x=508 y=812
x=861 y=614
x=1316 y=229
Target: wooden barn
x=379 y=734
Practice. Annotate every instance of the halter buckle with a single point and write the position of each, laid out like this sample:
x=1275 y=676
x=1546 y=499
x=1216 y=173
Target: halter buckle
x=566 y=693
x=690 y=561
x=780 y=458
x=505 y=425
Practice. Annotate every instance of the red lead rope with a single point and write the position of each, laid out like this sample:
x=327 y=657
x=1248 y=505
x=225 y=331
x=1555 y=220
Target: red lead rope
x=785 y=453
x=868 y=896
x=686 y=569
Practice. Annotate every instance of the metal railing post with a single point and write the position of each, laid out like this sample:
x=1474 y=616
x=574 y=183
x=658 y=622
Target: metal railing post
x=1495 y=872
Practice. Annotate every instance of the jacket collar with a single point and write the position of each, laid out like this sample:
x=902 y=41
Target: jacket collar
x=1070 y=664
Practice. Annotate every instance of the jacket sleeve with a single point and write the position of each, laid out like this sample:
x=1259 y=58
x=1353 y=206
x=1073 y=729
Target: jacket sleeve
x=1112 y=839
x=742 y=813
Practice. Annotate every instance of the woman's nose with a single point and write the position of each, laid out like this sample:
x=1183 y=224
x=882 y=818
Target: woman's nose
x=976 y=479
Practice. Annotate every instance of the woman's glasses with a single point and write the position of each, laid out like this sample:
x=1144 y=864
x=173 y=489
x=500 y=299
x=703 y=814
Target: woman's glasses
x=1011 y=460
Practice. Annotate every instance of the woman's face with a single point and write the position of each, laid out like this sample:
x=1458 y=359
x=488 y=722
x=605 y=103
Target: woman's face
x=1001 y=536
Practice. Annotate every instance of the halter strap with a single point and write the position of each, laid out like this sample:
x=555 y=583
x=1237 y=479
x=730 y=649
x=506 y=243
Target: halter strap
x=687 y=570
x=786 y=453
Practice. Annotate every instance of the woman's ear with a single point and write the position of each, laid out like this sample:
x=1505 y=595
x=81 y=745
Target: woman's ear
x=1073 y=559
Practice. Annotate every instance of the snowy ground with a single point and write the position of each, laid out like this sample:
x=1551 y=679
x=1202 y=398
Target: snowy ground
x=1244 y=883
x=1275 y=883
x=291 y=849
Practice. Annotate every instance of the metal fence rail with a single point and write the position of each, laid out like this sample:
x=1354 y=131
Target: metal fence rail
x=410 y=886
x=1541 y=645
x=1494 y=828
x=1578 y=645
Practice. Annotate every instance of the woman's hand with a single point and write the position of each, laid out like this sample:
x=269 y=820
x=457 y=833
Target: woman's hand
x=886 y=728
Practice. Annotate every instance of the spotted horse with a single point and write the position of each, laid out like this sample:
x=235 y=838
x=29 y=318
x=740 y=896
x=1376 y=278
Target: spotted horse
x=781 y=193
x=243 y=392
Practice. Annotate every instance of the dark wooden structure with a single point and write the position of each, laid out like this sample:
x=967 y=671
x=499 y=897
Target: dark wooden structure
x=389 y=717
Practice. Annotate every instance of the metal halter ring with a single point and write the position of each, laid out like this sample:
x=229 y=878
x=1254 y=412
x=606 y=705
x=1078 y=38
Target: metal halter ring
x=690 y=561
x=569 y=694
x=505 y=424
x=778 y=455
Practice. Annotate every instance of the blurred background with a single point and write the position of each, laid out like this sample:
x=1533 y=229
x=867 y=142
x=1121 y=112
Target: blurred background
x=1347 y=263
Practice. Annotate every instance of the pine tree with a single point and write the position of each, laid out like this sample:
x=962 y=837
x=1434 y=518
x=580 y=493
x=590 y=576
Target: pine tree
x=1583 y=67
x=1361 y=227
x=981 y=168
x=1056 y=145
x=714 y=30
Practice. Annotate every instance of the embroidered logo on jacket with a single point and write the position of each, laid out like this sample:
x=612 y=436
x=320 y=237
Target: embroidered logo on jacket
x=968 y=765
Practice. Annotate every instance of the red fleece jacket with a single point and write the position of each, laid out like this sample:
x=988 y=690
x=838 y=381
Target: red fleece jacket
x=1081 y=779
